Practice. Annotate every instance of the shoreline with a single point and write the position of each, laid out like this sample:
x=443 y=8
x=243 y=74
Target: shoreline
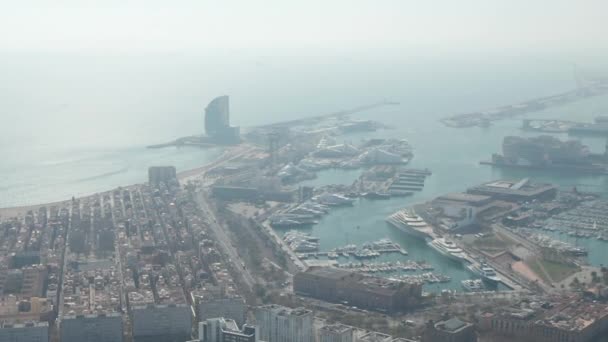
x=8 y=212
x=18 y=211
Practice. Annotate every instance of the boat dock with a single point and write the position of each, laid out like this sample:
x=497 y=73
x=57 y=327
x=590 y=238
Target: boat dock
x=408 y=181
x=358 y=254
x=373 y=267
x=485 y=118
x=385 y=181
x=505 y=278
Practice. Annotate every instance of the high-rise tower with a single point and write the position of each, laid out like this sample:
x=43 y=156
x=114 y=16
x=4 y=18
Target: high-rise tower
x=217 y=122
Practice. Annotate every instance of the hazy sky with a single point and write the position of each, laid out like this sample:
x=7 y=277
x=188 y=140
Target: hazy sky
x=203 y=25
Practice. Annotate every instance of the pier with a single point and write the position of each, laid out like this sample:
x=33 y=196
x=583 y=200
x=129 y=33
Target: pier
x=485 y=118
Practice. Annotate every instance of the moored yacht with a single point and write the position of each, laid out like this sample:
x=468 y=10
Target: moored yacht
x=409 y=222
x=473 y=285
x=334 y=200
x=486 y=272
x=448 y=249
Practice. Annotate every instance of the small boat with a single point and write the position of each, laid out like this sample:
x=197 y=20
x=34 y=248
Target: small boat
x=377 y=195
x=448 y=249
x=473 y=285
x=486 y=272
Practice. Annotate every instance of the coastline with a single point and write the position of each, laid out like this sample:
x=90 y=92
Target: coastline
x=22 y=210
x=195 y=172
x=184 y=175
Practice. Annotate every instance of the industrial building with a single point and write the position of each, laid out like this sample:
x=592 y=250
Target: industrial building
x=161 y=323
x=225 y=330
x=217 y=122
x=24 y=332
x=92 y=328
x=460 y=210
x=164 y=174
x=238 y=193
x=25 y=282
x=544 y=149
x=229 y=307
x=515 y=191
x=569 y=319
x=373 y=336
x=336 y=333
x=280 y=324
x=363 y=291
x=451 y=330
x=17 y=309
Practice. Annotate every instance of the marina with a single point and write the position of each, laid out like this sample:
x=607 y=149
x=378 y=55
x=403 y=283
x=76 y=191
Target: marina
x=366 y=251
x=374 y=267
x=337 y=244
x=448 y=249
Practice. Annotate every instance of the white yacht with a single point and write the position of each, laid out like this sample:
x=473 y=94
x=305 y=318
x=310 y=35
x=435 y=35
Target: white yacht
x=334 y=200
x=409 y=222
x=486 y=272
x=448 y=249
x=473 y=285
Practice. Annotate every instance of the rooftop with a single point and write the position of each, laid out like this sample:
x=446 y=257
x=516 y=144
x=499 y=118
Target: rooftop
x=375 y=337
x=464 y=197
x=452 y=325
x=569 y=313
x=518 y=187
x=94 y=291
x=575 y=315
x=336 y=328
x=8 y=325
x=379 y=285
x=329 y=273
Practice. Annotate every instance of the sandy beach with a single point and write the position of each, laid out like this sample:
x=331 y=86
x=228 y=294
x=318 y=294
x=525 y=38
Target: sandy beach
x=182 y=176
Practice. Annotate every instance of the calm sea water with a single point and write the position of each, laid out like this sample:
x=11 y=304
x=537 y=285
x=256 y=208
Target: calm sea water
x=75 y=125
x=453 y=155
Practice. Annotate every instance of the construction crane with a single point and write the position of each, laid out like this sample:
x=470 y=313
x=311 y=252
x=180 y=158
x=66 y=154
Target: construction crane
x=582 y=84
x=273 y=147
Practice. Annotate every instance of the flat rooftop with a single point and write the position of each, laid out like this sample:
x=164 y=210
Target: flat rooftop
x=336 y=328
x=375 y=337
x=329 y=272
x=464 y=197
x=452 y=325
x=522 y=188
x=9 y=325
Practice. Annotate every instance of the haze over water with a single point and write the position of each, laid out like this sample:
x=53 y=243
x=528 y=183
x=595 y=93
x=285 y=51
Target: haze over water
x=78 y=124
x=86 y=86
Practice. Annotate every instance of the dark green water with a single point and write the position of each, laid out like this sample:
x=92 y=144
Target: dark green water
x=453 y=155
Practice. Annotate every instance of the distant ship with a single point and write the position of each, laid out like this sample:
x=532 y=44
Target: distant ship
x=448 y=249
x=334 y=200
x=409 y=222
x=486 y=272
x=377 y=195
x=291 y=220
